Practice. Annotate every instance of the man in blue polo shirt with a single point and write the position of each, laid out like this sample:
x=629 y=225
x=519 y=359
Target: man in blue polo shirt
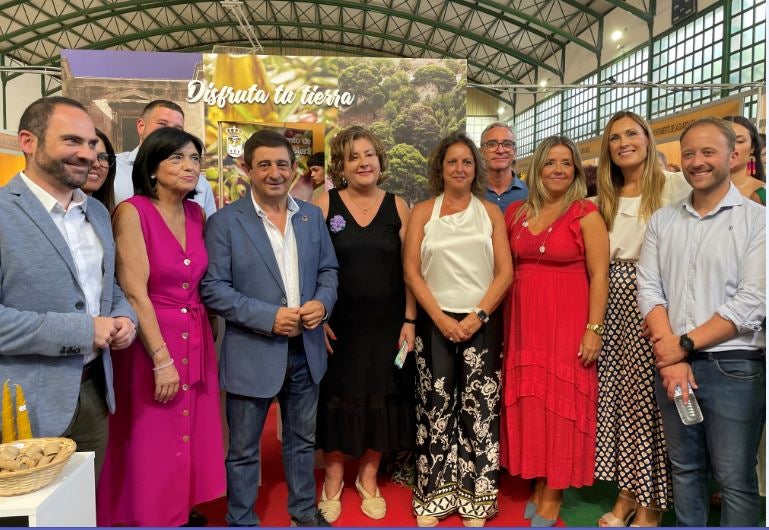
x=498 y=148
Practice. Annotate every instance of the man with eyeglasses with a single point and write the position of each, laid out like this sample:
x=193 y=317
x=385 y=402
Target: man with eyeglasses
x=503 y=186
x=158 y=113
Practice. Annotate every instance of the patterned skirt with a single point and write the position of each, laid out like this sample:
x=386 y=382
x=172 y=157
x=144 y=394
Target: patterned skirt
x=458 y=402
x=630 y=443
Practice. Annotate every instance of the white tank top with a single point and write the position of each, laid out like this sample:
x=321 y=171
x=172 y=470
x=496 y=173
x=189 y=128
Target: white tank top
x=457 y=256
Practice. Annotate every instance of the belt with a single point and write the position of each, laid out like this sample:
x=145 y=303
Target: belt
x=92 y=370
x=743 y=355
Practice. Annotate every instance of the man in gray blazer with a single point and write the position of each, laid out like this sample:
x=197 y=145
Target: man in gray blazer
x=272 y=274
x=61 y=311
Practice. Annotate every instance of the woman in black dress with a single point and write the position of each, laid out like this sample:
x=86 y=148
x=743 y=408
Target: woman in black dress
x=362 y=411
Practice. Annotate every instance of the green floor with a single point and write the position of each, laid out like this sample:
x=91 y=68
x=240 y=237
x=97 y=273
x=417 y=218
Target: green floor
x=584 y=506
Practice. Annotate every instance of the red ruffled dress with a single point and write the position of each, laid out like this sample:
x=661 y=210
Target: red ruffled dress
x=549 y=410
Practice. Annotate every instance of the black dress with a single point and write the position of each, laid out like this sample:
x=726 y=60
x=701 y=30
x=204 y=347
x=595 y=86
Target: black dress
x=365 y=401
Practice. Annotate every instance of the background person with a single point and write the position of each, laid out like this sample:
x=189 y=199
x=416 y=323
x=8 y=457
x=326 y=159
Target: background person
x=498 y=149
x=748 y=172
x=102 y=173
x=457 y=264
x=165 y=455
x=560 y=251
x=363 y=410
x=630 y=445
x=156 y=114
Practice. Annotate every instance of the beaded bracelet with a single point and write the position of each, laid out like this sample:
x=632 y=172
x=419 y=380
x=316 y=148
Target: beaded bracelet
x=169 y=363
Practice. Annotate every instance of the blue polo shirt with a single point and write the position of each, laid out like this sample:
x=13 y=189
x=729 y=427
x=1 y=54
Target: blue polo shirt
x=515 y=192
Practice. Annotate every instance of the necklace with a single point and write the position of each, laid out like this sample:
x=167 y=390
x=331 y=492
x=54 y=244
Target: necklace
x=361 y=208
x=542 y=246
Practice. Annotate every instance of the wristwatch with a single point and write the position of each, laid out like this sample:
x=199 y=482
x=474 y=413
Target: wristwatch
x=598 y=329
x=483 y=316
x=686 y=344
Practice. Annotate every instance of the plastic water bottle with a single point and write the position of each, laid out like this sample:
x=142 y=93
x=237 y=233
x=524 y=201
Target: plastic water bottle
x=690 y=412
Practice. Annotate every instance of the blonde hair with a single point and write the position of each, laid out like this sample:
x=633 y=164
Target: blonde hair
x=538 y=194
x=610 y=177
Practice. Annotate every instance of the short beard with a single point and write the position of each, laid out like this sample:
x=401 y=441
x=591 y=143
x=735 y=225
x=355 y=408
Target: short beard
x=58 y=169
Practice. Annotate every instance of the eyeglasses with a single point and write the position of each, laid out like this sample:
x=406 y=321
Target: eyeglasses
x=105 y=160
x=492 y=145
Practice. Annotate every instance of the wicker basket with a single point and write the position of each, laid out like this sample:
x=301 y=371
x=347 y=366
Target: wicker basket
x=28 y=480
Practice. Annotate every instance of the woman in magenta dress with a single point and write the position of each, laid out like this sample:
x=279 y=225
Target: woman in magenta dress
x=560 y=250
x=165 y=452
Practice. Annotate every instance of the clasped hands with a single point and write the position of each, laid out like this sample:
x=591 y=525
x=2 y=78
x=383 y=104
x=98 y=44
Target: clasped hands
x=288 y=319
x=116 y=333
x=458 y=330
x=669 y=358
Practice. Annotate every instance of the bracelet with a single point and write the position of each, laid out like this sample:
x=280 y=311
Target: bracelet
x=169 y=363
x=157 y=350
x=410 y=320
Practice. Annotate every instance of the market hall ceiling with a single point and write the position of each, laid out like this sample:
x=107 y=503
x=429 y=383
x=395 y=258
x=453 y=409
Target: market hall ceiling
x=504 y=42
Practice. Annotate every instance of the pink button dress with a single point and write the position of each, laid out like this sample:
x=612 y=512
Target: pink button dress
x=162 y=459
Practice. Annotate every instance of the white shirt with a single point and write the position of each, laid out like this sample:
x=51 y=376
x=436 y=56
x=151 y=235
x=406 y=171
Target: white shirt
x=124 y=187
x=284 y=248
x=457 y=256
x=84 y=245
x=628 y=229
x=698 y=266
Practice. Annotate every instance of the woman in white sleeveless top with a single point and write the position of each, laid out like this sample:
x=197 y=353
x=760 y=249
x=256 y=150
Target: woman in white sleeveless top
x=457 y=263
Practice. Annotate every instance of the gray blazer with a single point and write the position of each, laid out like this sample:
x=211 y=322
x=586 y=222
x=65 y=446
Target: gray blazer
x=243 y=284
x=44 y=326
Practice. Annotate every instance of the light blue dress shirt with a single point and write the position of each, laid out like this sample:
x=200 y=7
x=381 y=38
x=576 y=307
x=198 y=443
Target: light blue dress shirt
x=698 y=266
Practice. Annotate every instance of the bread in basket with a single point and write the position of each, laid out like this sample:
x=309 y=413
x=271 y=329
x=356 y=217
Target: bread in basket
x=19 y=469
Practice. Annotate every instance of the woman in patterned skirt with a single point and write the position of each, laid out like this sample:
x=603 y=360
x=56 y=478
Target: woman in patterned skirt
x=630 y=442
x=457 y=263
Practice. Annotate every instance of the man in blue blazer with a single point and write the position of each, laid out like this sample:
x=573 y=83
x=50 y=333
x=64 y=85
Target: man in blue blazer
x=272 y=275
x=61 y=311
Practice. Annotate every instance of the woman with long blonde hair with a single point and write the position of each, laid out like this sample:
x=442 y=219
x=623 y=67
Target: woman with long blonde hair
x=630 y=448
x=560 y=251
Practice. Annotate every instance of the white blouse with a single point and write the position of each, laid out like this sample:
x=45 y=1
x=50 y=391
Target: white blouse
x=457 y=256
x=627 y=234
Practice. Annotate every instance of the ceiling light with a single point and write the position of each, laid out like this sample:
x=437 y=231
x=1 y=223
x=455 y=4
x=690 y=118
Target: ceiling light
x=616 y=35
x=543 y=83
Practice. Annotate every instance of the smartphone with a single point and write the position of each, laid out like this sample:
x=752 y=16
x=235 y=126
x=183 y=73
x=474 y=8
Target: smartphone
x=400 y=358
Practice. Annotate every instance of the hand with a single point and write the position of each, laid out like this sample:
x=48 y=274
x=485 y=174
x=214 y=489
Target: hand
x=125 y=334
x=590 y=347
x=166 y=382
x=408 y=333
x=646 y=333
x=678 y=374
x=104 y=328
x=667 y=350
x=470 y=324
x=312 y=313
x=450 y=328
x=286 y=320
x=329 y=335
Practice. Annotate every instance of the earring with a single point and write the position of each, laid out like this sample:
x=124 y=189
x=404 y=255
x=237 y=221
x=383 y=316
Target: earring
x=344 y=182
x=153 y=178
x=752 y=166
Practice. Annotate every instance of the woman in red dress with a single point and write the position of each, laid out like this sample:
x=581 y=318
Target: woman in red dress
x=560 y=249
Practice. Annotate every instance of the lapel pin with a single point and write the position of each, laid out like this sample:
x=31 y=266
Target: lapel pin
x=305 y=218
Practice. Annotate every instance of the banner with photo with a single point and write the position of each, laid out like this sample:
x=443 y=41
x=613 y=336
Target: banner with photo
x=409 y=103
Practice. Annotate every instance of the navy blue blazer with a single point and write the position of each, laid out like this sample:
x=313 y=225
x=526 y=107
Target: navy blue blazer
x=243 y=285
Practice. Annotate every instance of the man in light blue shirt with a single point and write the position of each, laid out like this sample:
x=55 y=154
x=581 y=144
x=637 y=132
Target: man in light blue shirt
x=503 y=186
x=702 y=290
x=158 y=113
